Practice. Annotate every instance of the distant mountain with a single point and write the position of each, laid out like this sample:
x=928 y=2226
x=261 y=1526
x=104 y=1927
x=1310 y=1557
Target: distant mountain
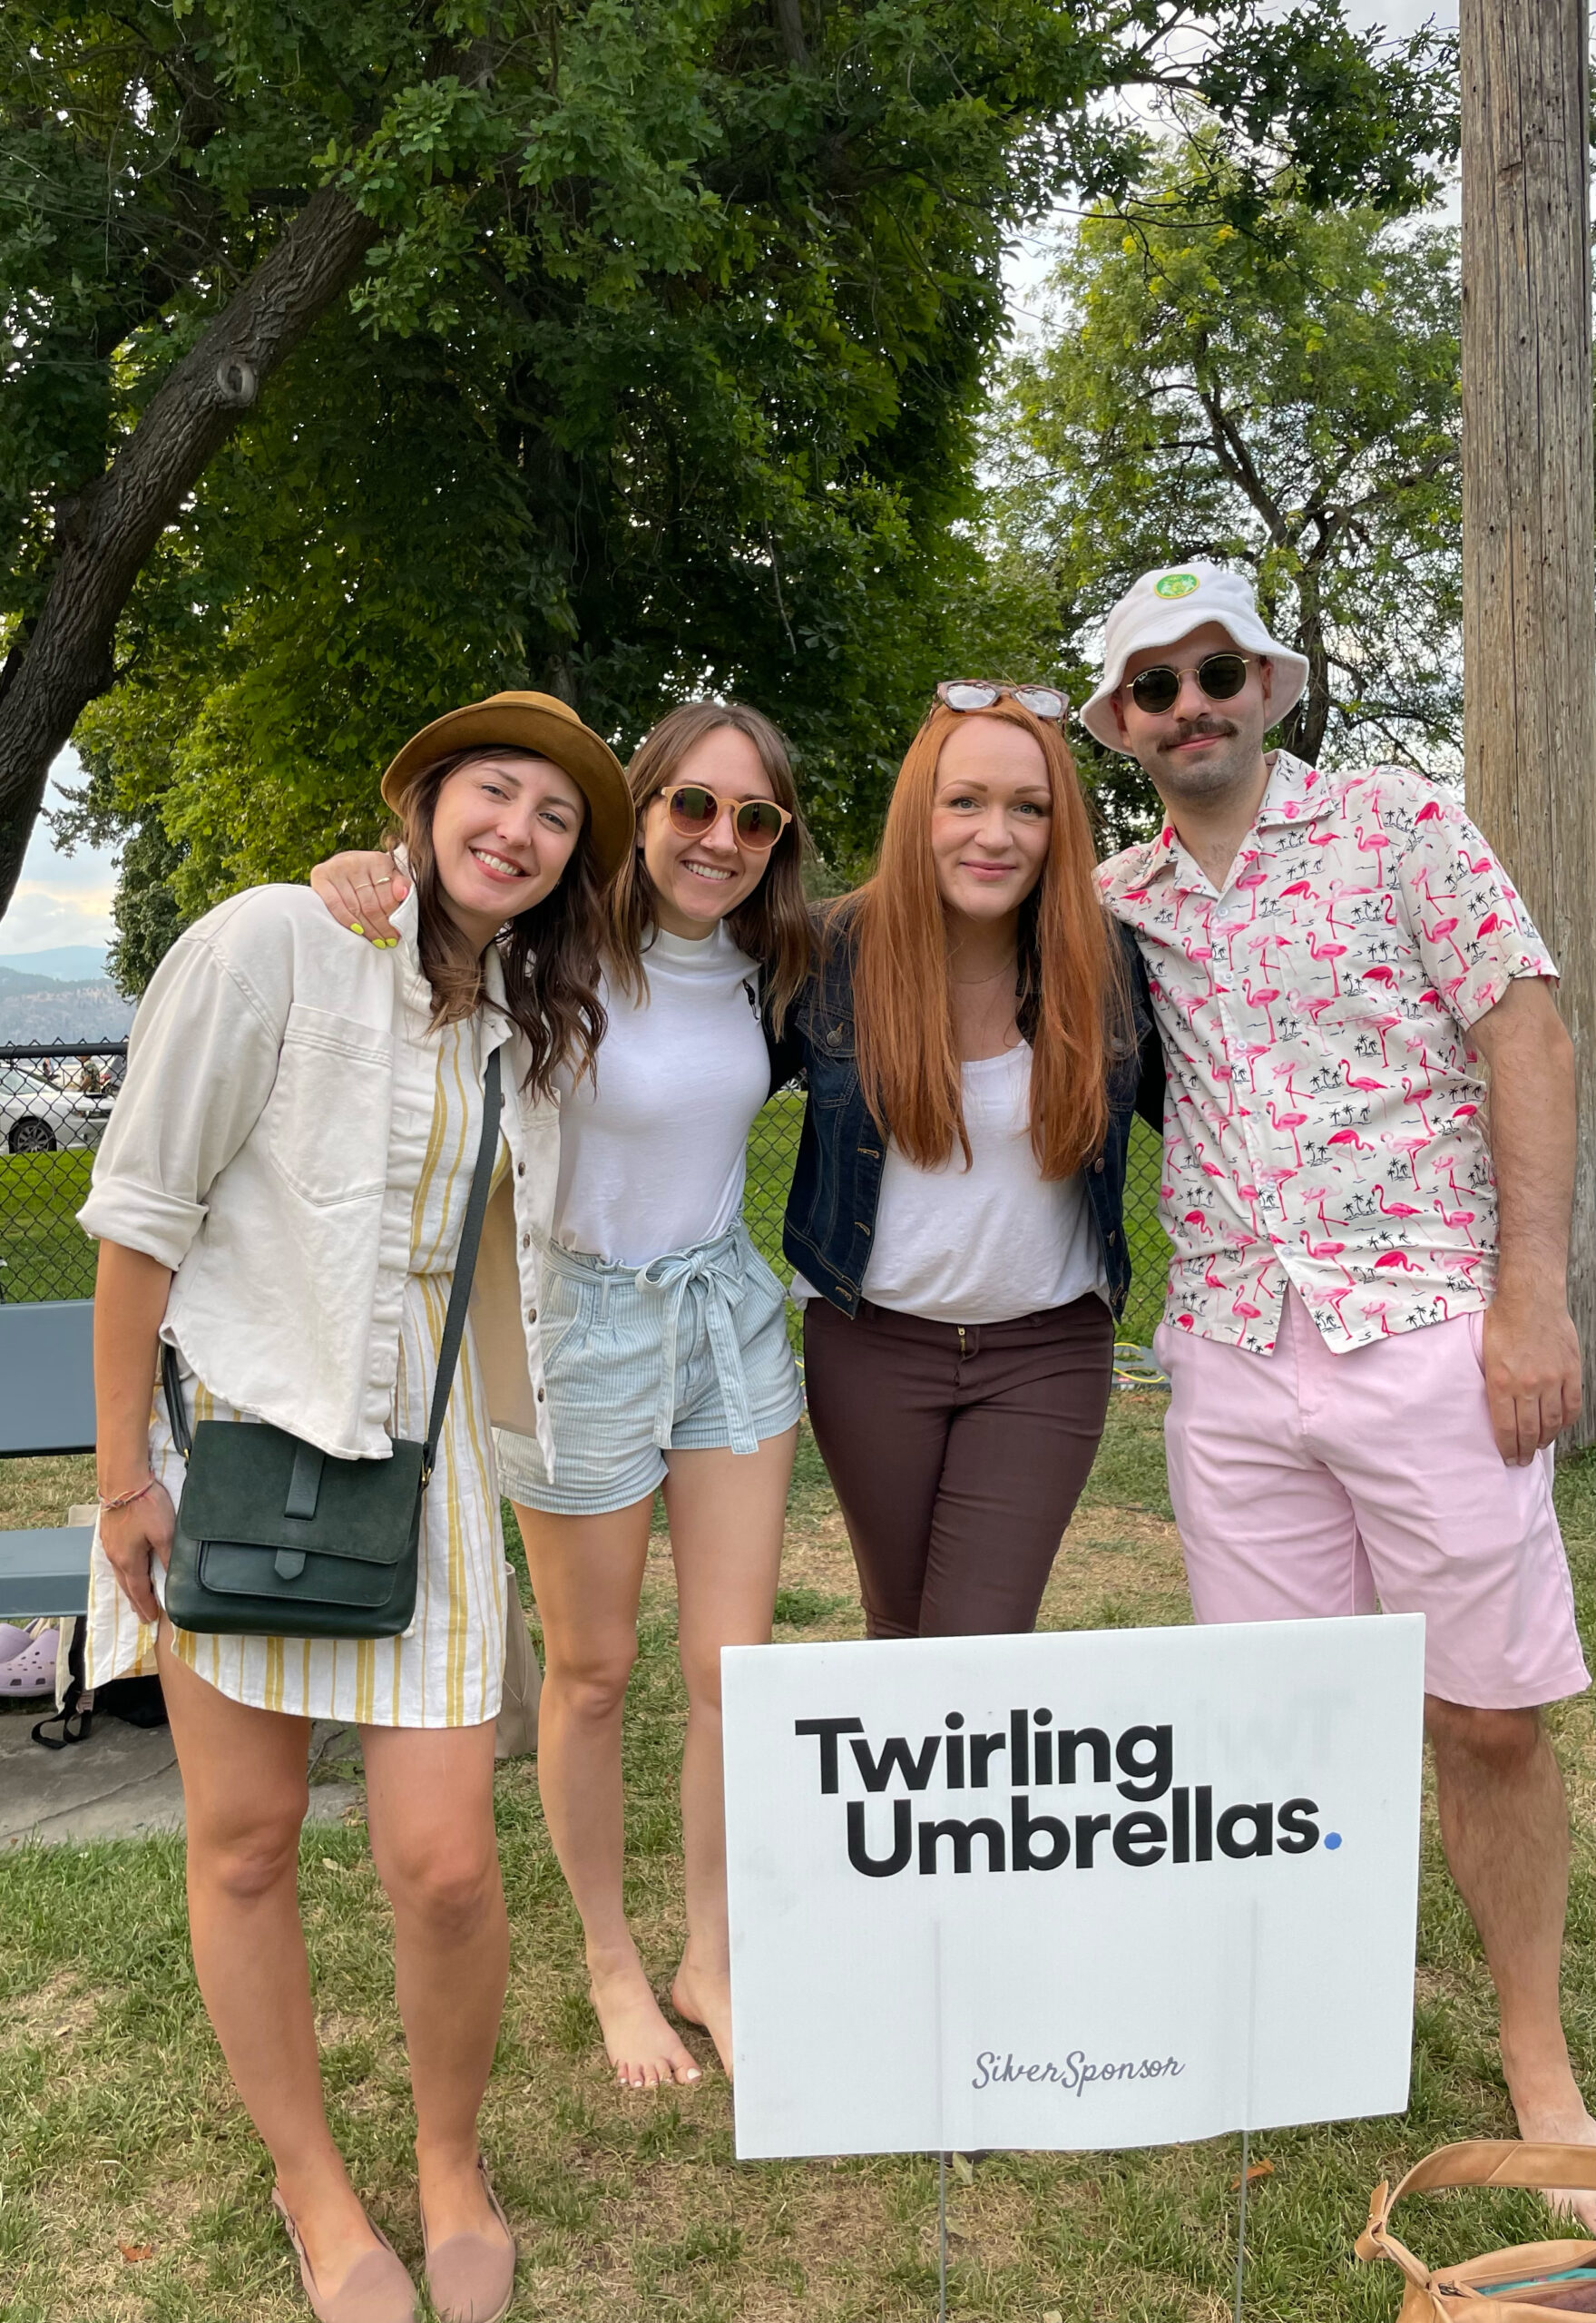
x=13 y=980
x=67 y=964
x=41 y=1008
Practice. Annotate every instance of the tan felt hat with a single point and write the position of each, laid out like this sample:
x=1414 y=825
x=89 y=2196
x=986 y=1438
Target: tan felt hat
x=529 y=722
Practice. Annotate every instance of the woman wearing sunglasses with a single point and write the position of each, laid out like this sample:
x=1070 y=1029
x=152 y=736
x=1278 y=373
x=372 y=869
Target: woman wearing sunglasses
x=666 y=1350
x=974 y=1039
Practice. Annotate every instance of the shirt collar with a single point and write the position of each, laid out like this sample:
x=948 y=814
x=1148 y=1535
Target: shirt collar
x=1296 y=793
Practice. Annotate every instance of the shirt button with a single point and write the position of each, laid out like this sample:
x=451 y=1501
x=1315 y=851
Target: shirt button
x=539 y=1395
x=532 y=1314
x=521 y=1168
x=1098 y=1165
x=527 y=1241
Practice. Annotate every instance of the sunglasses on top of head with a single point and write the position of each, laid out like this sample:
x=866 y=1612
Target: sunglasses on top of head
x=1220 y=676
x=693 y=811
x=980 y=694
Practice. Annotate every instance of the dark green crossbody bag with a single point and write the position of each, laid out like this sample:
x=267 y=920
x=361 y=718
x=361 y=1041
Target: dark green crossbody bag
x=275 y=1538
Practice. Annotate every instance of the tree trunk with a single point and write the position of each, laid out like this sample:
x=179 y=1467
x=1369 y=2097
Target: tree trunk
x=104 y=535
x=1303 y=729
x=790 y=23
x=1529 y=602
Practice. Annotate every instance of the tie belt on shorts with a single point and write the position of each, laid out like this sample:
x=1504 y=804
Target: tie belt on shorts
x=710 y=1280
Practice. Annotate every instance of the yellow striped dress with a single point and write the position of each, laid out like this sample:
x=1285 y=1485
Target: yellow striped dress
x=447 y=1669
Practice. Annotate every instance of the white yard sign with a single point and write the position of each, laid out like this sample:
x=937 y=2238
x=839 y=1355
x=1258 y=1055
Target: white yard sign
x=1091 y=1889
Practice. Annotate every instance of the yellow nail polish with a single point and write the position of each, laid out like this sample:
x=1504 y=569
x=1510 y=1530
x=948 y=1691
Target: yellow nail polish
x=355 y=928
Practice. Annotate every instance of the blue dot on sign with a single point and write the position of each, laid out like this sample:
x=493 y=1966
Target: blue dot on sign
x=1331 y=1839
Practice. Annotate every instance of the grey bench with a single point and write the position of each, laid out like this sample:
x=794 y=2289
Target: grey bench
x=46 y=1405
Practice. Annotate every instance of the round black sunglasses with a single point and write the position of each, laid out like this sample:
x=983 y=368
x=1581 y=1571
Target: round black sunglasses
x=1221 y=677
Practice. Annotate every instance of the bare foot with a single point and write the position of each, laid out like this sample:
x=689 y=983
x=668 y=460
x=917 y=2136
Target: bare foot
x=701 y=1996
x=1572 y=2207
x=639 y=2044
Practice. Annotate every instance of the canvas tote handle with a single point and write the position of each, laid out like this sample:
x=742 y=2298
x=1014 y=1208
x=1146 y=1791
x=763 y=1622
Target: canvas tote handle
x=1477 y=2162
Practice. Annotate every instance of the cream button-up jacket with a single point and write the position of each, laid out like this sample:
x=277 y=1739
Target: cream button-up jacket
x=268 y=1075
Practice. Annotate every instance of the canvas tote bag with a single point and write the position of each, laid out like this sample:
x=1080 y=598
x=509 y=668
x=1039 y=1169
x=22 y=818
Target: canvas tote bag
x=515 y=1732
x=1528 y=2282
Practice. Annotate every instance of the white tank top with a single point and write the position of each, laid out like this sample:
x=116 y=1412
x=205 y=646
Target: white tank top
x=985 y=1244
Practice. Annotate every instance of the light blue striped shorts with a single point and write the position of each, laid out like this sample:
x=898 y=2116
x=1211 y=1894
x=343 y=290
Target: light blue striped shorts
x=688 y=1353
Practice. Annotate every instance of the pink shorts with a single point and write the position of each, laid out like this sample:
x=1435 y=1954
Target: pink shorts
x=1307 y=1483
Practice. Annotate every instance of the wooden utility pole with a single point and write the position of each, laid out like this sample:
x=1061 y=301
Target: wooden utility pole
x=1528 y=518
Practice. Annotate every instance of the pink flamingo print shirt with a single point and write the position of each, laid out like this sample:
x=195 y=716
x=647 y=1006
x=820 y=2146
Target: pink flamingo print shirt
x=1323 y=1125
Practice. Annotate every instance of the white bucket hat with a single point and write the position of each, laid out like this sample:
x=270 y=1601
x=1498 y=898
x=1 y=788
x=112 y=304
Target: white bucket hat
x=1165 y=606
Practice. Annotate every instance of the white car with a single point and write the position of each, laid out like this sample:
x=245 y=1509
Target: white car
x=35 y=1117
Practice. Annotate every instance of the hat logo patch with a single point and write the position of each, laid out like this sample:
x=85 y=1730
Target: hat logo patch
x=1176 y=584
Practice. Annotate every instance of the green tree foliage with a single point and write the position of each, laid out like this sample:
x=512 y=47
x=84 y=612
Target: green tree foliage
x=661 y=372
x=1282 y=397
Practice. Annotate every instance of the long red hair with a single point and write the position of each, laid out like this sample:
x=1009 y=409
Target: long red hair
x=1070 y=996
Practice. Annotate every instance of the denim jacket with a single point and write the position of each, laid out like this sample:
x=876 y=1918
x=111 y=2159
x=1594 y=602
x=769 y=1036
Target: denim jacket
x=836 y=1184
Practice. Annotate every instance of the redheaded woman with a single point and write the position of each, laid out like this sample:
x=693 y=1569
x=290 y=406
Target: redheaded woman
x=973 y=1041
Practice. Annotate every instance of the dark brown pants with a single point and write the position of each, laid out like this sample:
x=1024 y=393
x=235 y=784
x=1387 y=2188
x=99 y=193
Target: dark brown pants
x=957 y=1455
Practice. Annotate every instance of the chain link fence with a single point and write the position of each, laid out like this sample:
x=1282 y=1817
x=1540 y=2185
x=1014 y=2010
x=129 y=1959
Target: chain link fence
x=56 y=1100
x=773 y=1148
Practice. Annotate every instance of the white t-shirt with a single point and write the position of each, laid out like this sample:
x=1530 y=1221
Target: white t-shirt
x=651 y=1159
x=985 y=1244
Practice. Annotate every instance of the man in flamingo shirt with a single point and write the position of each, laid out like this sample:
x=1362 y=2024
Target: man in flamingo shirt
x=1366 y=1332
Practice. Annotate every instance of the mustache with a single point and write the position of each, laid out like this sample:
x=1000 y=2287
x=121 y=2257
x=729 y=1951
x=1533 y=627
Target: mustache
x=1190 y=727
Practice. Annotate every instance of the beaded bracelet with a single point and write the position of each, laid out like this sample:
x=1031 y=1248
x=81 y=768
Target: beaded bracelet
x=126 y=1499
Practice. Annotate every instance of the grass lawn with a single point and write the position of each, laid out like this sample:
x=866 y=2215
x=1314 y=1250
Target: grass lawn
x=130 y=2185
x=43 y=1252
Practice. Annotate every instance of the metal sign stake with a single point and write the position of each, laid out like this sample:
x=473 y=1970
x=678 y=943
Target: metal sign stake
x=942 y=2238
x=1241 y=2230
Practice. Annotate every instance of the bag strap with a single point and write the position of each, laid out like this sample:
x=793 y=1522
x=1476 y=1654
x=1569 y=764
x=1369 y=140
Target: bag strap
x=171 y=1385
x=464 y=1263
x=1476 y=2161
x=459 y=1292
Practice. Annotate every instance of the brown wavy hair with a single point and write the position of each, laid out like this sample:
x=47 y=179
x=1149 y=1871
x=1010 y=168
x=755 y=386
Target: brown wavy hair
x=772 y=924
x=1071 y=1000
x=550 y=954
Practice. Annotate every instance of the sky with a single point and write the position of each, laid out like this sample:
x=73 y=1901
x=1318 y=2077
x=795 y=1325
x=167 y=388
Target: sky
x=67 y=899
x=1030 y=256
x=60 y=898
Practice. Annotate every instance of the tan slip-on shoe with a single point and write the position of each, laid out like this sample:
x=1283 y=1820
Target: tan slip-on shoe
x=377 y=2288
x=472 y=2276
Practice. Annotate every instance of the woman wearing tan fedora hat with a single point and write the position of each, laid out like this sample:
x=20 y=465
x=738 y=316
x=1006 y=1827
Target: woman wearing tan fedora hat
x=669 y=1364
x=282 y=1201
